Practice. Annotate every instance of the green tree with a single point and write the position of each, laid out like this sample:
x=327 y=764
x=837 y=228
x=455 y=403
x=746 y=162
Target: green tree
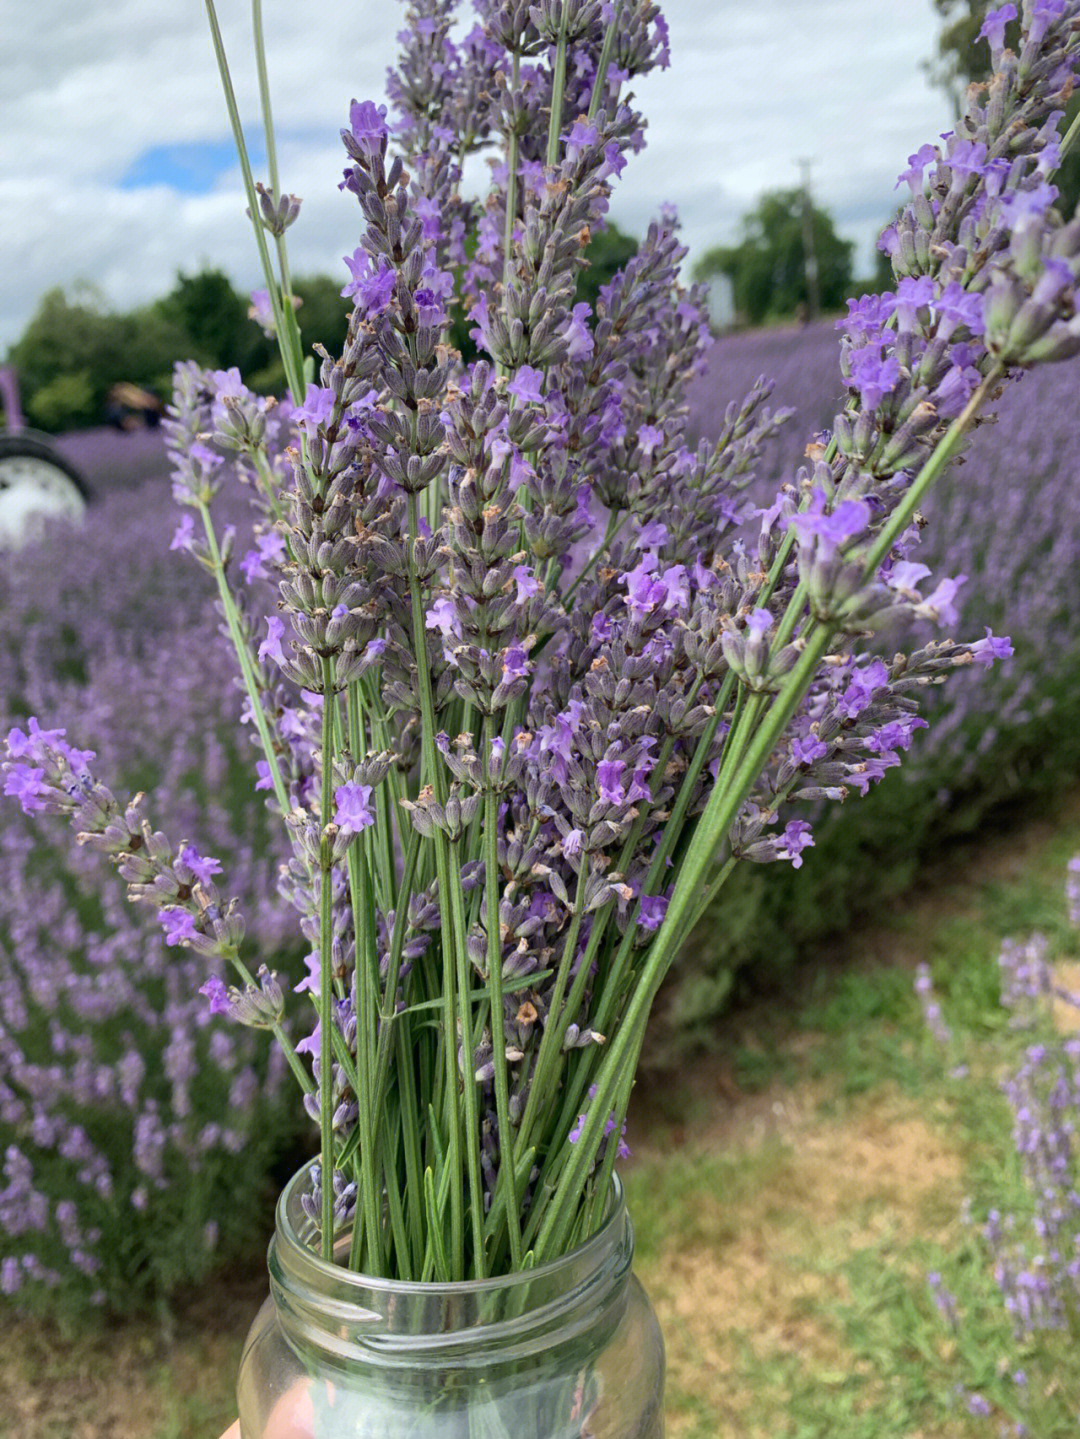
x=213 y=316
x=962 y=59
x=74 y=348
x=607 y=252
x=768 y=263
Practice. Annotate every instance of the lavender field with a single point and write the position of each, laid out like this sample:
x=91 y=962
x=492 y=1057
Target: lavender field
x=124 y=669
x=111 y=460
x=1001 y=740
x=1014 y=529
x=126 y=1114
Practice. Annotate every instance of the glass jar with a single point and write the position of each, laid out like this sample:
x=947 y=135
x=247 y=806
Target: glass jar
x=569 y=1350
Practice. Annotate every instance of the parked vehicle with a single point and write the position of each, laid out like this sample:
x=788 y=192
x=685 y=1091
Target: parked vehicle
x=36 y=481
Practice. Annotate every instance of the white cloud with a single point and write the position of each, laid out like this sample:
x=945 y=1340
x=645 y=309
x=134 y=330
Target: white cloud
x=86 y=89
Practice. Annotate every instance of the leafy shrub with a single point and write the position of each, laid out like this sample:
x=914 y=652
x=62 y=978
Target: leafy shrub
x=64 y=402
x=136 y=1135
x=997 y=738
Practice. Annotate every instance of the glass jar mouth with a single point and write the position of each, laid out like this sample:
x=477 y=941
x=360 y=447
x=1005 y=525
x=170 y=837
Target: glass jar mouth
x=296 y=1231
x=392 y=1322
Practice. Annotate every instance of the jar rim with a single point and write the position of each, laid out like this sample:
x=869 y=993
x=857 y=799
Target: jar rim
x=593 y=1248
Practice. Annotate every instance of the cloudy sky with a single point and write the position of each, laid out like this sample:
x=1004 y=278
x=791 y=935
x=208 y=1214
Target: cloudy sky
x=115 y=159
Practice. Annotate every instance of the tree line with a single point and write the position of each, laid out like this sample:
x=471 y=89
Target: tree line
x=76 y=347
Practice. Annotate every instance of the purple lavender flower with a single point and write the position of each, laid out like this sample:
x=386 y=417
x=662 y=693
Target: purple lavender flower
x=178 y=925
x=202 y=868
x=184 y=534
x=609 y=775
x=271 y=645
x=368 y=127
x=797 y=837
x=317 y=409
x=993 y=27
x=269 y=550
x=442 y=616
x=217 y=993
x=372 y=284
x=26 y=784
x=834 y=528
x=526 y=385
x=652 y=911
x=352 y=813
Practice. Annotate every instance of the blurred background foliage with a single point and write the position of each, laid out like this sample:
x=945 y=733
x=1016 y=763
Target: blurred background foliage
x=75 y=347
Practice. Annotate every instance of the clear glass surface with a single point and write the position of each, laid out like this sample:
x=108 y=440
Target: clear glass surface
x=570 y=1350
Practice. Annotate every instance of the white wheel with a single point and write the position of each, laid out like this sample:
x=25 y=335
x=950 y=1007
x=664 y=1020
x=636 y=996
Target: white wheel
x=36 y=484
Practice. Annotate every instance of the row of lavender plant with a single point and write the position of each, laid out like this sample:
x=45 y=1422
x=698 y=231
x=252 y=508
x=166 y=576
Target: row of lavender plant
x=126 y=1116
x=524 y=753
x=1035 y=1251
x=1006 y=519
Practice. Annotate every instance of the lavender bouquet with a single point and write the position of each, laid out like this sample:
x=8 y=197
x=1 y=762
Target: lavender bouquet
x=540 y=676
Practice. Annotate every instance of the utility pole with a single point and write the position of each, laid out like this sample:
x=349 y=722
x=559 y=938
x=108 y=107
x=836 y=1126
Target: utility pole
x=809 y=252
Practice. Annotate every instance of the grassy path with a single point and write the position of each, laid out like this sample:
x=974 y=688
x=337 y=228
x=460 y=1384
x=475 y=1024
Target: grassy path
x=786 y=1233
x=790 y=1196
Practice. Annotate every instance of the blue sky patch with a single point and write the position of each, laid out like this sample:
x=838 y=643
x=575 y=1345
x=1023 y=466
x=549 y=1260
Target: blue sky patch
x=192 y=169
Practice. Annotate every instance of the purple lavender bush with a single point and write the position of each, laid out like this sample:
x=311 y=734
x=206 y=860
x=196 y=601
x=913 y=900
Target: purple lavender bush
x=999 y=736
x=111 y=460
x=528 y=698
x=136 y=1137
x=1033 y=1245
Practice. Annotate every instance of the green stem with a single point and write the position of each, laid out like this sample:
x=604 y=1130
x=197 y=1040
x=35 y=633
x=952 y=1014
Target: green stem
x=366 y=991
x=393 y=976
x=604 y=61
x=264 y=97
x=293 y=372
x=411 y=1143
x=538 y=1089
x=611 y=992
x=267 y=482
x=511 y=184
x=434 y=775
x=290 y=336
x=468 y=1077
x=284 y=1043
x=558 y=87
x=326 y=991
x=902 y=516
x=507 y=1143
x=602 y=1181
x=243 y=655
x=1069 y=138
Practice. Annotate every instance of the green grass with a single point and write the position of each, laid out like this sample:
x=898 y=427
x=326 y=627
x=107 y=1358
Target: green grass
x=838 y=1335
